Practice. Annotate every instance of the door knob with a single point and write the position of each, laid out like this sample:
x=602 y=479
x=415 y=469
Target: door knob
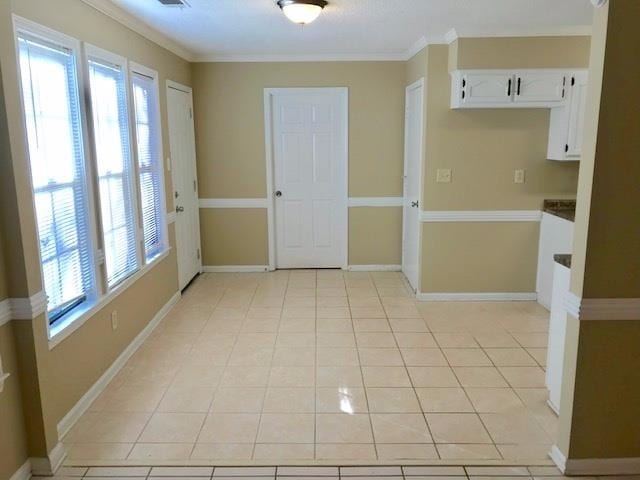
x=414 y=204
x=278 y=193
x=179 y=209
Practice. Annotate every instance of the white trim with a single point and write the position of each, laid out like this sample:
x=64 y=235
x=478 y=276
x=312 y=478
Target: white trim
x=73 y=322
x=171 y=217
x=72 y=416
x=178 y=86
x=375 y=202
x=477 y=297
x=521 y=31
x=416 y=48
x=481 y=216
x=594 y=466
x=234 y=203
x=141 y=28
x=236 y=268
x=28 y=308
x=23 y=473
x=451 y=36
x=602 y=309
x=374 y=268
x=47 y=466
x=5 y=311
x=321 y=57
x=269 y=93
x=558 y=458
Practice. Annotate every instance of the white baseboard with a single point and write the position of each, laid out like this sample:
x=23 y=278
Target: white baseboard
x=374 y=268
x=476 y=297
x=235 y=268
x=23 y=473
x=83 y=404
x=48 y=466
x=595 y=466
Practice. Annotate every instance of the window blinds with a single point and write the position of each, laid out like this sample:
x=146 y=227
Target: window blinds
x=115 y=169
x=54 y=136
x=148 y=136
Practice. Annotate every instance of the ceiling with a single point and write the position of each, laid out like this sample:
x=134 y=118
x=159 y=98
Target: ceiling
x=376 y=29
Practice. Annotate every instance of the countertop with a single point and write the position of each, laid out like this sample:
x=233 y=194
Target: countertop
x=561 y=208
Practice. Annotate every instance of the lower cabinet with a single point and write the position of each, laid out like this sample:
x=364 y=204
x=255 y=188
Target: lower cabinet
x=556 y=236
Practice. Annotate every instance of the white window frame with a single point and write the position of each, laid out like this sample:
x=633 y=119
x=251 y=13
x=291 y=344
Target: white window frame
x=136 y=68
x=35 y=30
x=99 y=54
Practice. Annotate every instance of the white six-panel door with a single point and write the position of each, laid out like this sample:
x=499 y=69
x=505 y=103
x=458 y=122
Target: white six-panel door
x=185 y=184
x=413 y=148
x=309 y=143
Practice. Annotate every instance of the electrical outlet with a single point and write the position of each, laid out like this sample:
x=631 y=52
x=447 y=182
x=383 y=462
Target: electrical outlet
x=114 y=320
x=443 y=175
x=519 y=176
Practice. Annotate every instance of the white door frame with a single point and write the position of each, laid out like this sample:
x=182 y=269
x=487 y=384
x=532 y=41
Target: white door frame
x=170 y=84
x=420 y=83
x=343 y=94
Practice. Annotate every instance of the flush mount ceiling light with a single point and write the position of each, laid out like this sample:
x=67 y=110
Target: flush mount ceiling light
x=302 y=11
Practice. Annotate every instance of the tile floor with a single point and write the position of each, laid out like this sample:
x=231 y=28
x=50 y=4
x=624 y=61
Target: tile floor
x=326 y=366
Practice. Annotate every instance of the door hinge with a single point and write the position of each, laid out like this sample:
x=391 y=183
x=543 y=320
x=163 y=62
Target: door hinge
x=566 y=148
x=573 y=81
x=198 y=253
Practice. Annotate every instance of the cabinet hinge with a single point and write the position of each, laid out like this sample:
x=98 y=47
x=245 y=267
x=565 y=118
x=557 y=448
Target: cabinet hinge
x=573 y=81
x=566 y=148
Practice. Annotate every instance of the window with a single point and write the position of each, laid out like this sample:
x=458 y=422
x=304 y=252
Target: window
x=57 y=160
x=150 y=166
x=115 y=167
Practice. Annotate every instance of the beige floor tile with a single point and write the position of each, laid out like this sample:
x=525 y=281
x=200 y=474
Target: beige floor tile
x=371 y=325
x=98 y=451
x=415 y=340
x=71 y=471
x=290 y=400
x=129 y=398
x=129 y=471
x=296 y=340
x=294 y=356
x=532 y=340
x=333 y=312
x=334 y=325
x=368 y=312
x=497 y=471
x=181 y=472
x=495 y=400
x=457 y=428
x=341 y=400
x=400 y=428
x=496 y=340
x=406 y=451
x=432 y=377
x=299 y=312
x=265 y=312
x=345 y=451
x=284 y=451
x=329 y=301
x=203 y=375
x=370 y=471
x=161 y=451
x=539 y=354
x=336 y=340
x=300 y=302
x=402 y=311
x=510 y=357
x=336 y=356
x=408 y=325
x=524 y=377
x=385 y=377
x=230 y=428
x=460 y=451
x=297 y=325
x=479 y=377
x=388 y=357
x=455 y=340
x=222 y=451
x=308 y=471
x=519 y=429
x=365 y=302
x=238 y=400
x=292 y=377
x=340 y=376
x=113 y=427
x=392 y=400
x=375 y=340
x=466 y=357
x=255 y=340
x=444 y=400
x=423 y=357
x=433 y=471
x=330 y=292
x=286 y=428
x=172 y=428
x=241 y=376
x=187 y=399
x=343 y=428
x=525 y=452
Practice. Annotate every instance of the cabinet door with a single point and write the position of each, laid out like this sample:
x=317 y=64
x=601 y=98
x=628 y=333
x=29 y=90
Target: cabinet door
x=540 y=87
x=487 y=88
x=577 y=106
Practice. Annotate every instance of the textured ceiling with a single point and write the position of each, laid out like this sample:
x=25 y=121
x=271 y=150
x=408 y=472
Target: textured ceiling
x=227 y=28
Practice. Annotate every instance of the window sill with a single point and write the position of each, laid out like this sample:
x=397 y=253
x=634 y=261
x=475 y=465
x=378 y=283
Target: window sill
x=72 y=322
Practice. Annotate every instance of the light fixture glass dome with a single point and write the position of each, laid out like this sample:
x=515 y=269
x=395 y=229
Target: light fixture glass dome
x=302 y=11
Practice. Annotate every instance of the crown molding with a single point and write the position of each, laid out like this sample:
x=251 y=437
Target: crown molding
x=130 y=21
x=266 y=58
x=414 y=49
x=451 y=36
x=575 y=31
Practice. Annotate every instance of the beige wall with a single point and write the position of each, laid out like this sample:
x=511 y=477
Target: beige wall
x=483 y=148
x=229 y=115
x=54 y=380
x=375 y=236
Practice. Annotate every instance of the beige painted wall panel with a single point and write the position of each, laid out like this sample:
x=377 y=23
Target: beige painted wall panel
x=229 y=113
x=13 y=441
x=234 y=236
x=479 y=257
x=375 y=236
x=416 y=67
x=522 y=52
x=4 y=290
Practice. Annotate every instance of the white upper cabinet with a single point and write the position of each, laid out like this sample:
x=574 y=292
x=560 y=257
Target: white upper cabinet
x=567 y=122
x=533 y=88
x=541 y=86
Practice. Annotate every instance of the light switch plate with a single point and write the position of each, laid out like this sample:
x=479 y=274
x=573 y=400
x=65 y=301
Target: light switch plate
x=519 y=176
x=443 y=175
